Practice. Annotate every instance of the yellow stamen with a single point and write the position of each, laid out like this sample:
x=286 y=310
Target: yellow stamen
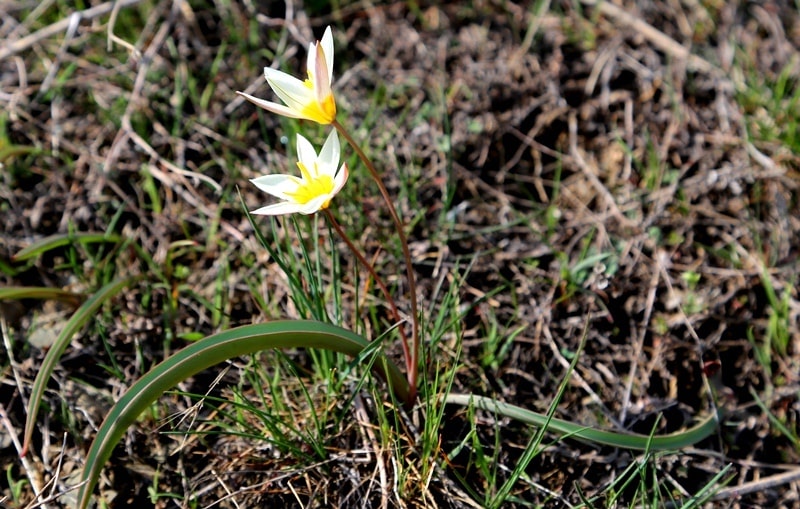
x=312 y=186
x=323 y=112
x=304 y=173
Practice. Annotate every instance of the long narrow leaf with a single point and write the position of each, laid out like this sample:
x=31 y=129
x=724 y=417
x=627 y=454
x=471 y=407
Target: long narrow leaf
x=39 y=292
x=85 y=313
x=208 y=352
x=62 y=239
x=679 y=440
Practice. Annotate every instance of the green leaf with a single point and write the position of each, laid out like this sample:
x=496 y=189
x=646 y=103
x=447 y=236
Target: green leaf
x=210 y=351
x=691 y=436
x=39 y=292
x=62 y=239
x=85 y=313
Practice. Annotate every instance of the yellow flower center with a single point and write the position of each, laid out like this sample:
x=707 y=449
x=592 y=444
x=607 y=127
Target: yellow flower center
x=323 y=112
x=312 y=186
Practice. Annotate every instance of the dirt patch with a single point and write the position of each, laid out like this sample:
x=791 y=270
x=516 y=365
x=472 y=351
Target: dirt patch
x=614 y=175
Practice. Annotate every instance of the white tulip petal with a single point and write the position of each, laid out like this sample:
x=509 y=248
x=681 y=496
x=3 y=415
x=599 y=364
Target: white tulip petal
x=277 y=209
x=306 y=153
x=291 y=90
x=311 y=58
x=279 y=186
x=340 y=179
x=276 y=74
x=327 y=48
x=280 y=109
x=322 y=82
x=330 y=152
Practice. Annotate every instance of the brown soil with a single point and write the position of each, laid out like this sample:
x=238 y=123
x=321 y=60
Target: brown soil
x=625 y=134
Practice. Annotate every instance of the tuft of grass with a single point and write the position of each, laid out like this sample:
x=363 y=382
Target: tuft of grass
x=772 y=105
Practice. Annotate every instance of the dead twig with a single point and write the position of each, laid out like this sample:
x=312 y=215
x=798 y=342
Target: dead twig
x=588 y=172
x=14 y=47
x=371 y=443
x=638 y=346
x=759 y=485
x=658 y=38
x=33 y=475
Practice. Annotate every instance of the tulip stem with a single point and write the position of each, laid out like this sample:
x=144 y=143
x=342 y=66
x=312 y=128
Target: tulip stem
x=361 y=258
x=412 y=357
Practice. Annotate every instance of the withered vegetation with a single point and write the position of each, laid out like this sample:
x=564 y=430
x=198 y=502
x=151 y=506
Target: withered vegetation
x=626 y=171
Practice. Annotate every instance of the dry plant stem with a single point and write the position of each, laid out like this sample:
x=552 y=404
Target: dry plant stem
x=30 y=469
x=413 y=358
x=376 y=277
x=763 y=484
x=655 y=36
x=33 y=474
x=14 y=47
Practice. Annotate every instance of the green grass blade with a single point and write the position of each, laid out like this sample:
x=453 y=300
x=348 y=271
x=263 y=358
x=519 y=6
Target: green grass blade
x=60 y=240
x=534 y=444
x=208 y=352
x=707 y=492
x=775 y=421
x=7 y=152
x=701 y=430
x=85 y=313
x=39 y=292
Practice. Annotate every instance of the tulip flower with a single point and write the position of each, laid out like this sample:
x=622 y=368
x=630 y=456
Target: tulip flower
x=313 y=190
x=311 y=99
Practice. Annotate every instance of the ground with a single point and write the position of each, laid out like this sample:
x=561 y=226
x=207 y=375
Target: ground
x=598 y=193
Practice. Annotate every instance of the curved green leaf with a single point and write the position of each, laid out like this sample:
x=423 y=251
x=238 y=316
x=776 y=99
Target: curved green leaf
x=208 y=352
x=701 y=430
x=84 y=313
x=39 y=292
x=62 y=239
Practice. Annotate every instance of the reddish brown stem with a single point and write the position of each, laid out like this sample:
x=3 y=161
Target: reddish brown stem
x=412 y=357
x=375 y=276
